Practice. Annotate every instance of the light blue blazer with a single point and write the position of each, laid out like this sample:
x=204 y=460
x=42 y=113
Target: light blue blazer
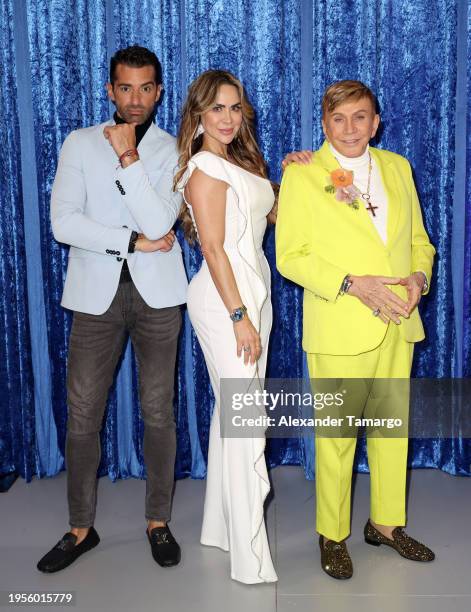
x=95 y=205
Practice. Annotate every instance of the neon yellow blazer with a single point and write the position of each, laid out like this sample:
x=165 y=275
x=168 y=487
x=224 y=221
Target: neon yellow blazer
x=320 y=240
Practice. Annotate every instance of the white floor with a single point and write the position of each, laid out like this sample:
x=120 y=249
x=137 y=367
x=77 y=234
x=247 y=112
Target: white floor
x=120 y=574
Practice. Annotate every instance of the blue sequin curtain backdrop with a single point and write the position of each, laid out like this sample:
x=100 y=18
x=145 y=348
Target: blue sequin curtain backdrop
x=285 y=53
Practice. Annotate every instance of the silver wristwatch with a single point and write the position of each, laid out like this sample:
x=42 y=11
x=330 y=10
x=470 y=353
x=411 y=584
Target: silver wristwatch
x=425 y=285
x=238 y=314
x=345 y=286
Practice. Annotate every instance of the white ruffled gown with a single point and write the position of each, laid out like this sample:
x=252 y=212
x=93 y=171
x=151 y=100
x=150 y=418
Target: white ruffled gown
x=237 y=479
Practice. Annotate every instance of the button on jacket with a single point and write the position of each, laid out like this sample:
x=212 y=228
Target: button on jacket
x=92 y=201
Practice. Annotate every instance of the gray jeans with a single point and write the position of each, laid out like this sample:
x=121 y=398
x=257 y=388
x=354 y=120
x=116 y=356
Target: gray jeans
x=96 y=344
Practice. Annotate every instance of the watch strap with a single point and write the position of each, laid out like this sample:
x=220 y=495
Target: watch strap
x=132 y=241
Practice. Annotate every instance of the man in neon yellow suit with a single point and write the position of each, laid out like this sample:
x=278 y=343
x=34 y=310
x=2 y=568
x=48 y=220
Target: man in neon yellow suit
x=350 y=231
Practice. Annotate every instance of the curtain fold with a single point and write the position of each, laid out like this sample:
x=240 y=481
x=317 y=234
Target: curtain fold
x=467 y=246
x=285 y=53
x=17 y=418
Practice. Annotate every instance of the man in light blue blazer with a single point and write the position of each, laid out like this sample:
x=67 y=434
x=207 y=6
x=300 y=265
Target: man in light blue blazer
x=113 y=203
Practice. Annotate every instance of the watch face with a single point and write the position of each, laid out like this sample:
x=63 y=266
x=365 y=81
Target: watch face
x=237 y=314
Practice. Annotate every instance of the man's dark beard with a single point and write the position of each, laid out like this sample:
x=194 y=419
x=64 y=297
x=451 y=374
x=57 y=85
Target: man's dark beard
x=125 y=113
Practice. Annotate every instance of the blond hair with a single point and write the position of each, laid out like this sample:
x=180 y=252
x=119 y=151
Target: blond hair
x=346 y=91
x=243 y=150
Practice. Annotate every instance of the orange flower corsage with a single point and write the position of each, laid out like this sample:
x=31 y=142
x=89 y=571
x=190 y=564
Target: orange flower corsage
x=341 y=177
x=341 y=185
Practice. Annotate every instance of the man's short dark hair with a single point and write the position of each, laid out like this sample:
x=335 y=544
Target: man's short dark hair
x=136 y=57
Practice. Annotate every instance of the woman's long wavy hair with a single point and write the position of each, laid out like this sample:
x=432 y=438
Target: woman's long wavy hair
x=243 y=150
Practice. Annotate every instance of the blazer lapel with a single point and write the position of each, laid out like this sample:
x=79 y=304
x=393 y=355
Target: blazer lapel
x=325 y=157
x=105 y=145
x=149 y=143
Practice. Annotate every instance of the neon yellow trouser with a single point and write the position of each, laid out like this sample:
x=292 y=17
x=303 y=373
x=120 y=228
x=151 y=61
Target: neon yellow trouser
x=387 y=457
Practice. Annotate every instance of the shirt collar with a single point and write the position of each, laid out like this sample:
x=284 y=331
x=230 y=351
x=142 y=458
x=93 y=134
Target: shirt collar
x=351 y=162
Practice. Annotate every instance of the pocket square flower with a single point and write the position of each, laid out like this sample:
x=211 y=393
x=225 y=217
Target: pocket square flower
x=341 y=185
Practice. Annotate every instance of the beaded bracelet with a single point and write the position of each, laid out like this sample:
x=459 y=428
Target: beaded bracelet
x=128 y=153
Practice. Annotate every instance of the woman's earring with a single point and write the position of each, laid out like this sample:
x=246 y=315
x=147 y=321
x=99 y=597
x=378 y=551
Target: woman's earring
x=199 y=131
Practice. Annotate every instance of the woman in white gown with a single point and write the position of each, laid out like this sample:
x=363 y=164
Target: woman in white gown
x=227 y=199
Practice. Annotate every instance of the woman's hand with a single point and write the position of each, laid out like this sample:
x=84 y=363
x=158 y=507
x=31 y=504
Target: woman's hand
x=271 y=217
x=247 y=337
x=414 y=285
x=163 y=244
x=373 y=292
x=300 y=157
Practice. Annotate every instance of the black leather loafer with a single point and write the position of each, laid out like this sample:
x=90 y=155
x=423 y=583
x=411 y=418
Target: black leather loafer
x=405 y=545
x=66 y=551
x=165 y=549
x=335 y=559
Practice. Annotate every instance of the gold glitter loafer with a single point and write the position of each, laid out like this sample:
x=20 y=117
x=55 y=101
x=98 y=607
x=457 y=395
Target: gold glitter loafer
x=335 y=559
x=405 y=545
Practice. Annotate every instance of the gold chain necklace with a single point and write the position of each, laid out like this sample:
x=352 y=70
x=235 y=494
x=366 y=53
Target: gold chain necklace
x=366 y=196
